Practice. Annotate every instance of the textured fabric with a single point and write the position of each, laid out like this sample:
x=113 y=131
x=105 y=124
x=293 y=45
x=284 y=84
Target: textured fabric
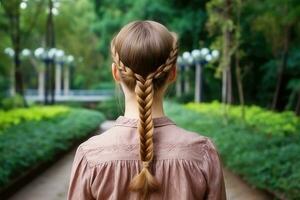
x=186 y=164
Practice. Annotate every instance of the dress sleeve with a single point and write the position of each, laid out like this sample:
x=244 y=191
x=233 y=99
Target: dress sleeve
x=214 y=174
x=80 y=181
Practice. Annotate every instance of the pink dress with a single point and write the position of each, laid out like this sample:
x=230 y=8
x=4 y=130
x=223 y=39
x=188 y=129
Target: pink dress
x=186 y=164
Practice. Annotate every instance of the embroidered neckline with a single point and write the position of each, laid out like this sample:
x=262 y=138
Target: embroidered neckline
x=132 y=122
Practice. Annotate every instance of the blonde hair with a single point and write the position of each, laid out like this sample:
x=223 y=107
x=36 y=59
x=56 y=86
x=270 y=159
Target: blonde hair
x=144 y=52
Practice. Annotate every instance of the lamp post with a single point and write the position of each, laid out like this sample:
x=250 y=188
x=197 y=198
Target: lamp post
x=47 y=56
x=69 y=61
x=201 y=58
x=52 y=10
x=180 y=80
x=60 y=60
x=39 y=54
x=188 y=61
x=196 y=53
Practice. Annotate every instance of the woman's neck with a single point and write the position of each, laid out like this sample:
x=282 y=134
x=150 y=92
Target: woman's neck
x=131 y=107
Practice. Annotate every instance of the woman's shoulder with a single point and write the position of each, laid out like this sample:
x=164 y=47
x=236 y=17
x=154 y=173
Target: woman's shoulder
x=177 y=134
x=191 y=144
x=110 y=146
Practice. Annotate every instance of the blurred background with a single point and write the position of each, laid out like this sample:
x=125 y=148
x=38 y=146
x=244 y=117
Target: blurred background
x=238 y=75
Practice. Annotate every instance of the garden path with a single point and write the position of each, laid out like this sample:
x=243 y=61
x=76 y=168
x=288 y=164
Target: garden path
x=53 y=183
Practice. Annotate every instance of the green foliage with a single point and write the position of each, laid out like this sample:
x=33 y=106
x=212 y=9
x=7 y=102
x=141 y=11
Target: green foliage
x=29 y=143
x=269 y=162
x=15 y=101
x=185 y=98
x=36 y=113
x=176 y=15
x=75 y=35
x=111 y=108
x=256 y=118
x=85 y=29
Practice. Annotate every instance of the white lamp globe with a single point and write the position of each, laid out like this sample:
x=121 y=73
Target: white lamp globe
x=179 y=60
x=215 y=53
x=190 y=60
x=25 y=52
x=39 y=53
x=186 y=55
x=187 y=58
x=208 y=57
x=51 y=53
x=204 y=51
x=196 y=53
x=70 y=58
x=9 y=51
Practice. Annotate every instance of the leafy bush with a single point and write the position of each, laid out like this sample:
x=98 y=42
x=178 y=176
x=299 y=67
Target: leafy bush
x=267 y=161
x=184 y=98
x=111 y=108
x=36 y=113
x=29 y=143
x=15 y=101
x=267 y=122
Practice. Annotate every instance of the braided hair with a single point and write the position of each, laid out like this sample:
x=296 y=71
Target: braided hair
x=144 y=52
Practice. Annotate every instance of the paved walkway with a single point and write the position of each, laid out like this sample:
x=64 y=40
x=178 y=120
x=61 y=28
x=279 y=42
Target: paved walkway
x=53 y=183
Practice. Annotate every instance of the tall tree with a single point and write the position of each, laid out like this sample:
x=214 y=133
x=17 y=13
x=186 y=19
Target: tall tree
x=18 y=24
x=12 y=12
x=221 y=23
x=238 y=55
x=276 y=20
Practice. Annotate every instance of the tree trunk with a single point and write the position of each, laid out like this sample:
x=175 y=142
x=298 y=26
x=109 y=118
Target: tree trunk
x=297 y=110
x=224 y=86
x=227 y=45
x=229 y=83
x=16 y=41
x=239 y=84
x=237 y=60
x=281 y=67
x=50 y=43
x=12 y=11
x=226 y=61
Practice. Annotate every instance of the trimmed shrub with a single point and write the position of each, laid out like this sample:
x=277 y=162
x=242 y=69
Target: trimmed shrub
x=36 y=113
x=265 y=121
x=15 y=101
x=31 y=142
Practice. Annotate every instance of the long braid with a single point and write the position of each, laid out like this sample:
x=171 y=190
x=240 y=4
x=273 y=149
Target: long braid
x=145 y=183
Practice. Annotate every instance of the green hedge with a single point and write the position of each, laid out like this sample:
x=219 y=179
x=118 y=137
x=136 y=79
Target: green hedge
x=31 y=142
x=267 y=161
x=35 y=113
x=265 y=121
